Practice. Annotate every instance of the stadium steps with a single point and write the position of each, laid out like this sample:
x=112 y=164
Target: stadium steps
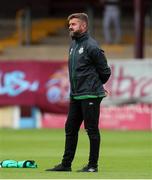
x=46 y=27
x=40 y=29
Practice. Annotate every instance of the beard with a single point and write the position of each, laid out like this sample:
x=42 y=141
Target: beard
x=75 y=34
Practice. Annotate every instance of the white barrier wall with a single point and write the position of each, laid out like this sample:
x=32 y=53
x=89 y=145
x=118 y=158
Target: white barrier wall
x=9 y=117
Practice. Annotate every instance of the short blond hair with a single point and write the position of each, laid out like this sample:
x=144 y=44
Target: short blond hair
x=81 y=16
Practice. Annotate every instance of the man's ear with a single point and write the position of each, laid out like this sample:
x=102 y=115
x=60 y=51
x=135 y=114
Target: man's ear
x=84 y=25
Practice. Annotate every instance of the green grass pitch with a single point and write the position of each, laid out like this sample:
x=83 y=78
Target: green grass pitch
x=123 y=154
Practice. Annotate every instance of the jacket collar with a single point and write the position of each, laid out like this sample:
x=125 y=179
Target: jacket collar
x=81 y=38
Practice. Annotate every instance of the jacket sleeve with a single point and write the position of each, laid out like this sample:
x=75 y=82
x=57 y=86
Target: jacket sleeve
x=99 y=60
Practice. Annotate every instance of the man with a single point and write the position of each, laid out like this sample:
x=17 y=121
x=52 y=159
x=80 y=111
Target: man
x=111 y=18
x=88 y=71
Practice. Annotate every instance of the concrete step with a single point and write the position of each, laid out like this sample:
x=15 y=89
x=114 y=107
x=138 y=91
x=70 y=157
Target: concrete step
x=60 y=52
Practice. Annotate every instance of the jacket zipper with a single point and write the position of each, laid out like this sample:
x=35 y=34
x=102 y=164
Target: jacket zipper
x=73 y=67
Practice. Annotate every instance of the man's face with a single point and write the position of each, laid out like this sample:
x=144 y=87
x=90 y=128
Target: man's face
x=76 y=27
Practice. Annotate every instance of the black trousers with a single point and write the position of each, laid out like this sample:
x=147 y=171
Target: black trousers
x=86 y=110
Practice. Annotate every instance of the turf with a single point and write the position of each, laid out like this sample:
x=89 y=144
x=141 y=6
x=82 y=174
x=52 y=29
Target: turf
x=124 y=154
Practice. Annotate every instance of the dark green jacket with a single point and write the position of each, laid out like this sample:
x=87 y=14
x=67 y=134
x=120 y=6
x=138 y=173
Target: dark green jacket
x=88 y=68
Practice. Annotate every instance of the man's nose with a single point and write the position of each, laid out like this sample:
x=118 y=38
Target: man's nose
x=70 y=28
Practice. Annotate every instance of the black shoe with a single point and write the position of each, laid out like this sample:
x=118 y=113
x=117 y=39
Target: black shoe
x=88 y=168
x=59 y=167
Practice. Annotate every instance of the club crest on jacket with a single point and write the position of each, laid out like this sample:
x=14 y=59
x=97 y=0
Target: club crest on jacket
x=81 y=50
